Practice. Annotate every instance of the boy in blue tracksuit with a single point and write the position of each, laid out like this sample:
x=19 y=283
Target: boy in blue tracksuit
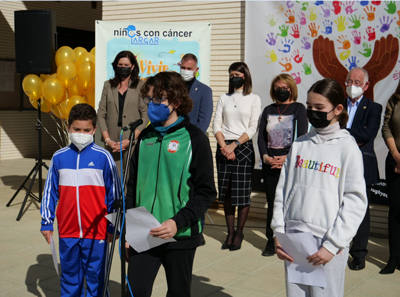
x=84 y=181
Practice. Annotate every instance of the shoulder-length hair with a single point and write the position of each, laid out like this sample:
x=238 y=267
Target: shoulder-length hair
x=171 y=85
x=287 y=80
x=242 y=68
x=114 y=82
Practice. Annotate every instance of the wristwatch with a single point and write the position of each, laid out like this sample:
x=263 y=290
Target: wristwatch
x=237 y=142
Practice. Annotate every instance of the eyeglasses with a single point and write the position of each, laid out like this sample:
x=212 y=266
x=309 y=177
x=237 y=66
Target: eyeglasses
x=357 y=83
x=156 y=101
x=281 y=89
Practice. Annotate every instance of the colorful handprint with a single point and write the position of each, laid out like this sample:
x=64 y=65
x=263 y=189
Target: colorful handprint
x=284 y=30
x=313 y=15
x=288 y=66
x=357 y=37
x=307 y=69
x=344 y=55
x=290 y=4
x=344 y=41
x=328 y=27
x=280 y=8
x=306 y=43
x=337 y=7
x=271 y=39
x=296 y=31
x=326 y=10
x=313 y=29
x=304 y=6
x=271 y=20
x=370 y=11
x=303 y=19
x=367 y=50
x=385 y=23
x=377 y=3
x=287 y=43
x=396 y=75
x=271 y=54
x=296 y=56
x=356 y=22
x=353 y=62
x=391 y=7
x=371 y=33
x=291 y=19
x=340 y=22
x=296 y=78
x=349 y=7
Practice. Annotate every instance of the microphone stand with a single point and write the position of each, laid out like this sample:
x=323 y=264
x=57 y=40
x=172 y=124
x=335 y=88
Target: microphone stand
x=118 y=205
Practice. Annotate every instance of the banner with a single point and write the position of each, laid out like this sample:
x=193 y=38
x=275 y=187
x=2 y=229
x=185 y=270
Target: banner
x=313 y=40
x=156 y=46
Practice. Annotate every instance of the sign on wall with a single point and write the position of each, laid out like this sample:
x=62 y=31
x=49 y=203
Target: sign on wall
x=317 y=39
x=156 y=46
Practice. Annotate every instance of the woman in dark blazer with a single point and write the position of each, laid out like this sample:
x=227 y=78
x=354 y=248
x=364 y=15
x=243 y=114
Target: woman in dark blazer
x=121 y=104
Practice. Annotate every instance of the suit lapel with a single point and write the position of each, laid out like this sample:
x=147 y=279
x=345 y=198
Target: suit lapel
x=129 y=94
x=361 y=109
x=115 y=95
x=194 y=88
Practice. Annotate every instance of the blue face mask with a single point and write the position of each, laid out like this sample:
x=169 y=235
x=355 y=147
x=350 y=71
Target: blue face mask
x=158 y=113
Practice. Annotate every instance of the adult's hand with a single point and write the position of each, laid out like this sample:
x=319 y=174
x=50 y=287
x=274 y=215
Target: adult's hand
x=322 y=257
x=47 y=235
x=281 y=253
x=167 y=230
x=227 y=149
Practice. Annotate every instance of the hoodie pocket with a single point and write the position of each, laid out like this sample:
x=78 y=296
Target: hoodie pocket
x=312 y=205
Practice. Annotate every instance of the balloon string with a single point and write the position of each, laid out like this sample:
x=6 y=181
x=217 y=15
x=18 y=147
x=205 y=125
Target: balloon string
x=62 y=138
x=47 y=131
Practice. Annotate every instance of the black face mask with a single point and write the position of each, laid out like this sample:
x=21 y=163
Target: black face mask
x=318 y=118
x=282 y=95
x=236 y=82
x=124 y=71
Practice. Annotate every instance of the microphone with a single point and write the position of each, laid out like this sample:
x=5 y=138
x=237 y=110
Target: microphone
x=133 y=125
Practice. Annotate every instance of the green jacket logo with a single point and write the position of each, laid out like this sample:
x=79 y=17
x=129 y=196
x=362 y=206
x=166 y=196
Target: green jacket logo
x=173 y=146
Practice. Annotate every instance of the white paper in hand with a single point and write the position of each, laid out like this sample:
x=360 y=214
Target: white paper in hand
x=299 y=246
x=54 y=254
x=139 y=222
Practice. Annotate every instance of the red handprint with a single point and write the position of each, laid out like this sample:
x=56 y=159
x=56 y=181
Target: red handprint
x=296 y=31
x=290 y=16
x=371 y=33
x=357 y=37
x=337 y=7
x=377 y=3
x=288 y=66
x=296 y=78
x=313 y=30
x=344 y=41
x=296 y=56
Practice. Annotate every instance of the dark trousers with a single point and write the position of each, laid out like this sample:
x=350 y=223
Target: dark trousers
x=178 y=265
x=360 y=241
x=393 y=190
x=271 y=178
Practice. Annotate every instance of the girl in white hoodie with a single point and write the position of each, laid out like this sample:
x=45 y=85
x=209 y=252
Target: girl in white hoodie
x=321 y=189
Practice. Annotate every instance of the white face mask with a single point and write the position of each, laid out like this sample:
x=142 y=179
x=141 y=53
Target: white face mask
x=81 y=140
x=354 y=91
x=187 y=74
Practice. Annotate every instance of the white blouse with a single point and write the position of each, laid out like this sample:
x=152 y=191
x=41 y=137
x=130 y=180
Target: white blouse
x=237 y=114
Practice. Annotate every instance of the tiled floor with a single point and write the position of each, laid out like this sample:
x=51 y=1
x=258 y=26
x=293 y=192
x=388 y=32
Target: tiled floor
x=26 y=267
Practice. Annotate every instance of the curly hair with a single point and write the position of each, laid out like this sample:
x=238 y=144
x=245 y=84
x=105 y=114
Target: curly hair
x=134 y=81
x=149 y=82
x=82 y=112
x=172 y=86
x=287 y=80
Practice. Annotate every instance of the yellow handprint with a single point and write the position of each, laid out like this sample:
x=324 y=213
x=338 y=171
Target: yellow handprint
x=313 y=15
x=344 y=55
x=340 y=22
x=271 y=54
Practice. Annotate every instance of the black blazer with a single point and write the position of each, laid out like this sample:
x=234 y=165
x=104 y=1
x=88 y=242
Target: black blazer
x=364 y=129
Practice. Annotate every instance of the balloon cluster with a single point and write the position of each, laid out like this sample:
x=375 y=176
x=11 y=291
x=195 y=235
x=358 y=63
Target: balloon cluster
x=73 y=83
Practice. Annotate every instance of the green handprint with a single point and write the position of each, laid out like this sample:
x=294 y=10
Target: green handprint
x=356 y=23
x=271 y=20
x=307 y=68
x=398 y=32
x=271 y=54
x=284 y=30
x=367 y=50
x=304 y=5
x=391 y=7
x=340 y=23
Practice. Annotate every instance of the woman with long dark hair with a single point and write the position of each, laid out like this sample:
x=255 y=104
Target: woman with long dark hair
x=235 y=123
x=121 y=104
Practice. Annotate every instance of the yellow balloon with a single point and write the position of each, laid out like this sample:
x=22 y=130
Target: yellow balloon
x=74 y=100
x=32 y=86
x=45 y=106
x=93 y=51
x=65 y=54
x=63 y=108
x=53 y=90
x=86 y=73
x=90 y=97
x=79 y=51
x=85 y=57
x=66 y=73
x=72 y=91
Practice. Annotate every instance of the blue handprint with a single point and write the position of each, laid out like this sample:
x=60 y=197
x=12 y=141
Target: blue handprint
x=385 y=24
x=287 y=44
x=306 y=44
x=319 y=2
x=353 y=62
x=364 y=3
x=328 y=27
x=272 y=39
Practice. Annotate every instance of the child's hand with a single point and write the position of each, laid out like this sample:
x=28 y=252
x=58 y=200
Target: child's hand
x=322 y=257
x=281 y=253
x=47 y=235
x=167 y=230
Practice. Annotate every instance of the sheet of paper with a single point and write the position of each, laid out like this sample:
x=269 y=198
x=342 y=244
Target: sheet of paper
x=54 y=254
x=299 y=246
x=139 y=221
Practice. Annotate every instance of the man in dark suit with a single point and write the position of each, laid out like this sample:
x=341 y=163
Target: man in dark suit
x=363 y=125
x=200 y=93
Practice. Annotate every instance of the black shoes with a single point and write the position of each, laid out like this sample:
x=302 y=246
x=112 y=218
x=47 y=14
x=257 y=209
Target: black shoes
x=225 y=246
x=390 y=267
x=269 y=251
x=357 y=264
x=236 y=247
